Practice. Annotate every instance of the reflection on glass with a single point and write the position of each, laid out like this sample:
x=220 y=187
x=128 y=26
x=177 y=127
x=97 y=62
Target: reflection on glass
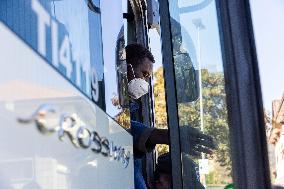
x=268 y=33
x=201 y=94
x=115 y=68
x=64 y=33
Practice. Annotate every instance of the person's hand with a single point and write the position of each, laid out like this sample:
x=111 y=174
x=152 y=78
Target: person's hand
x=194 y=142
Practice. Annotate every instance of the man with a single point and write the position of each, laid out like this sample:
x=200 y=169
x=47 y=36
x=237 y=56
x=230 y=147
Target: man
x=139 y=69
x=163 y=174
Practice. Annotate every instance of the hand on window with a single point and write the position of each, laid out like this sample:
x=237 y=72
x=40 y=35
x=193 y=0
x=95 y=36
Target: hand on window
x=194 y=142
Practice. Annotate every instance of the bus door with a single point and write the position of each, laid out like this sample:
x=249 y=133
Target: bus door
x=212 y=87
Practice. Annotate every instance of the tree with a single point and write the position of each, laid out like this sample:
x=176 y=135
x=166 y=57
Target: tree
x=160 y=107
x=215 y=118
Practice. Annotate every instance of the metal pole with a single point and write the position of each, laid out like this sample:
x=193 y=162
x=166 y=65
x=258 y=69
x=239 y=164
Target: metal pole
x=199 y=26
x=200 y=80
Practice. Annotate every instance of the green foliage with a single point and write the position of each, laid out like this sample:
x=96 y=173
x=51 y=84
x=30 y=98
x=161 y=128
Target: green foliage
x=215 y=115
x=215 y=118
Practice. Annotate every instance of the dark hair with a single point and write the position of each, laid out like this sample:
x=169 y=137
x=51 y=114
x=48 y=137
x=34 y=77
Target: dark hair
x=164 y=165
x=136 y=53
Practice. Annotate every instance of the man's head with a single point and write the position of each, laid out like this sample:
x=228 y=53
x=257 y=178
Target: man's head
x=141 y=60
x=163 y=172
x=163 y=181
x=139 y=68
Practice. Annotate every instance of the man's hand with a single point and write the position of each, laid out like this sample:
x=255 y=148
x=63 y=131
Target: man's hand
x=194 y=142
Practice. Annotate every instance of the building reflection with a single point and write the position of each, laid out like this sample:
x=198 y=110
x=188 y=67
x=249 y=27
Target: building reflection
x=275 y=134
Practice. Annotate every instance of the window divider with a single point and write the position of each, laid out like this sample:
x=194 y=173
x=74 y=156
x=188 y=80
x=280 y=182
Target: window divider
x=171 y=96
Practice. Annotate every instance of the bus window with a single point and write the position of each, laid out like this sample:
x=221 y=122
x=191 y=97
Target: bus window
x=268 y=32
x=201 y=97
x=114 y=30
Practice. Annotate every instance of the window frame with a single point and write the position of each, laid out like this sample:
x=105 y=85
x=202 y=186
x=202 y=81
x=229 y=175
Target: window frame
x=171 y=96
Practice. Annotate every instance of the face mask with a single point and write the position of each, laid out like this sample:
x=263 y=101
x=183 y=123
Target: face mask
x=137 y=87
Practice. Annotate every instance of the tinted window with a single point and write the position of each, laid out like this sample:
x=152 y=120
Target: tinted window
x=201 y=94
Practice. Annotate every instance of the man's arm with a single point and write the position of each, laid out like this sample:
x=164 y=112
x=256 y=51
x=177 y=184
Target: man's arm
x=194 y=141
x=159 y=136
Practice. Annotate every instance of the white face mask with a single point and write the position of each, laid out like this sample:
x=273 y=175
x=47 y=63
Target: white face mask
x=137 y=87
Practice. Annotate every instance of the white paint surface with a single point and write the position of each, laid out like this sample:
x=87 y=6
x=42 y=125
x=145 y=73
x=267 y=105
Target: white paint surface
x=29 y=158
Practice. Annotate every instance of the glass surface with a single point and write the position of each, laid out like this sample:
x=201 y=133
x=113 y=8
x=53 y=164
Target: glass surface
x=269 y=39
x=114 y=39
x=200 y=93
x=160 y=111
x=67 y=34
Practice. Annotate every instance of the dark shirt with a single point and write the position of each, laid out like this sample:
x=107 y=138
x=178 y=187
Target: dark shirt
x=141 y=134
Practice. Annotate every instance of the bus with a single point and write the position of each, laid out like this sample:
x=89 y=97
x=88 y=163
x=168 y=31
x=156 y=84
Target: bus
x=65 y=111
